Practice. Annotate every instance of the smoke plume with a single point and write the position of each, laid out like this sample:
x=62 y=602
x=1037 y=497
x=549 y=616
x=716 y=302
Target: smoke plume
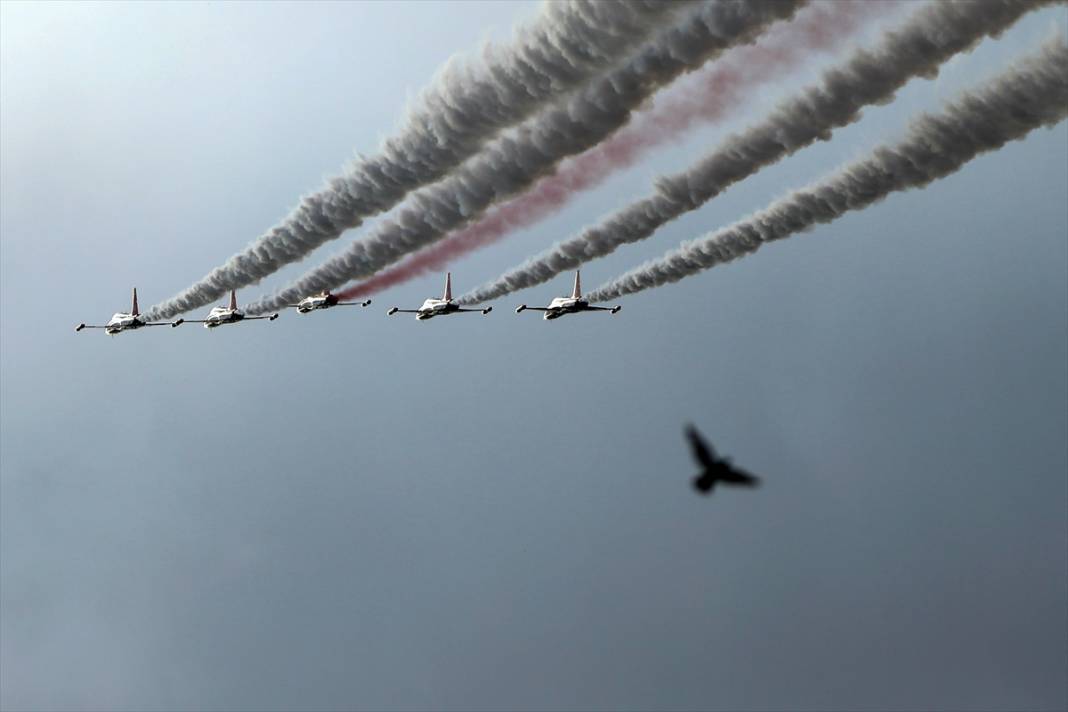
x=1032 y=94
x=468 y=104
x=513 y=163
x=713 y=93
x=927 y=39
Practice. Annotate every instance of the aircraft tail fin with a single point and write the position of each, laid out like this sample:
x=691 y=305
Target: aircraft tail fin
x=448 y=287
x=576 y=293
x=233 y=299
x=135 y=311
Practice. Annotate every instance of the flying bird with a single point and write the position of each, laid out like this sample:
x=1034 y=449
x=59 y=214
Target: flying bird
x=715 y=469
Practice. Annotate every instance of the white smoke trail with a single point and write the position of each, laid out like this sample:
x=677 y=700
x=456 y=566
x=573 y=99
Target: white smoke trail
x=918 y=48
x=513 y=163
x=1033 y=93
x=468 y=104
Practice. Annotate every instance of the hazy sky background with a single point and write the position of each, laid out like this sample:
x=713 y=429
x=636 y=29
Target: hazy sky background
x=348 y=511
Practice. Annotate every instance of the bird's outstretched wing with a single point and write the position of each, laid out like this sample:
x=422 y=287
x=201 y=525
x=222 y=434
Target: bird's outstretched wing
x=738 y=478
x=702 y=451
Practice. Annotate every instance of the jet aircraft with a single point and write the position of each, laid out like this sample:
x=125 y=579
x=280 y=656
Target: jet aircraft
x=219 y=316
x=567 y=305
x=716 y=469
x=438 y=307
x=323 y=300
x=124 y=322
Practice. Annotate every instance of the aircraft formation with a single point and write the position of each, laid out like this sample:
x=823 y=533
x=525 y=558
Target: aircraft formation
x=432 y=307
x=449 y=156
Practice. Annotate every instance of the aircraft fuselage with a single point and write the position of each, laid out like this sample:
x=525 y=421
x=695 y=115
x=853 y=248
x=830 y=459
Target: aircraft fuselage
x=123 y=322
x=436 y=307
x=221 y=315
x=319 y=301
x=560 y=306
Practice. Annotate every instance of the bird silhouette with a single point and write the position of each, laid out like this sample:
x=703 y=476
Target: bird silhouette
x=715 y=469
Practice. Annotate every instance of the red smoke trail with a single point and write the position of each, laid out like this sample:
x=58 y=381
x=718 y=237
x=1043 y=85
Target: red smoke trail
x=711 y=94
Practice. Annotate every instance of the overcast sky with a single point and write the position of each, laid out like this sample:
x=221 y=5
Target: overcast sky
x=345 y=510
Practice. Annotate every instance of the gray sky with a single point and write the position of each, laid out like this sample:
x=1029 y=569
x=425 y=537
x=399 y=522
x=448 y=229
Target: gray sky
x=348 y=511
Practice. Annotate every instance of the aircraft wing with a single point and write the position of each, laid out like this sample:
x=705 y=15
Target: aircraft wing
x=88 y=326
x=523 y=307
x=702 y=451
x=353 y=304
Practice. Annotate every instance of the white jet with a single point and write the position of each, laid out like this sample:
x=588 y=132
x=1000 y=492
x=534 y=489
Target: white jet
x=125 y=322
x=323 y=300
x=567 y=305
x=219 y=316
x=438 y=307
